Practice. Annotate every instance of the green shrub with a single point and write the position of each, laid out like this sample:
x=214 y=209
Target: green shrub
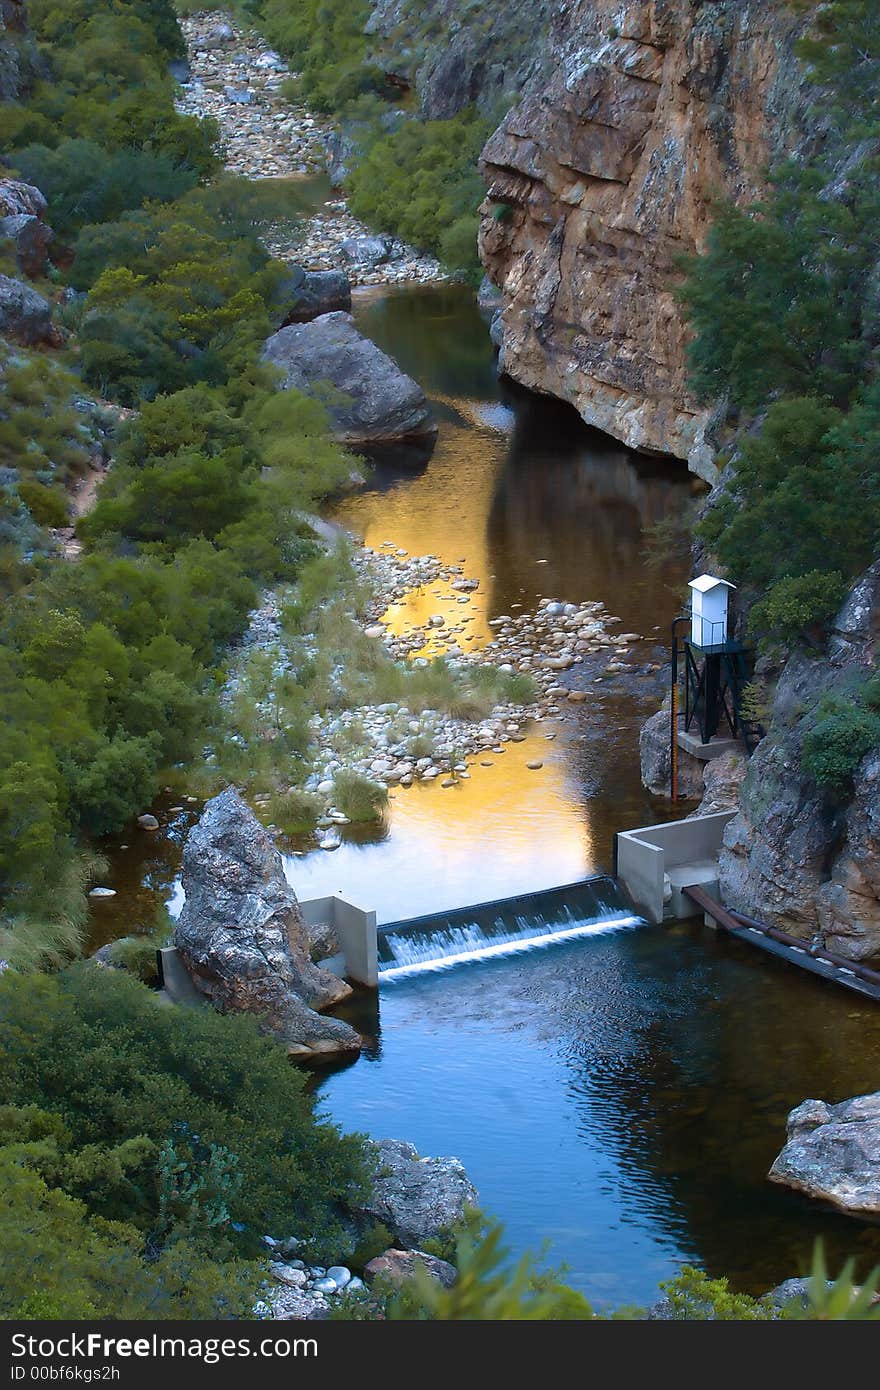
x=842 y=733
x=47 y=505
x=358 y=797
x=693 y=1297
x=798 y=607
x=127 y=1075
x=137 y=955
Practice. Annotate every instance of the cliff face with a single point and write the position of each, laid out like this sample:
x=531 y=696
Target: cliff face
x=791 y=857
x=604 y=173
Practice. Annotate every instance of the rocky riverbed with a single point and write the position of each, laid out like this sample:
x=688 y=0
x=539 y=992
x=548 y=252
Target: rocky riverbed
x=234 y=77
x=395 y=745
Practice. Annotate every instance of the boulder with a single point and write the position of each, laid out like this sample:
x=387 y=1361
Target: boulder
x=25 y=316
x=242 y=938
x=31 y=239
x=18 y=198
x=655 y=758
x=832 y=1152
x=309 y=293
x=368 y=398
x=722 y=779
x=397 y=1266
x=367 y=250
x=418 y=1199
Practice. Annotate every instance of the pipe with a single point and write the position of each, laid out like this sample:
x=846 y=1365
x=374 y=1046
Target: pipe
x=864 y=972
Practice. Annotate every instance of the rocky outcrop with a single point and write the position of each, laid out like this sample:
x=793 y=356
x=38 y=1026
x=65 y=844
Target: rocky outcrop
x=22 y=208
x=242 y=938
x=722 y=779
x=832 y=1152
x=309 y=293
x=25 y=316
x=656 y=762
x=793 y=857
x=483 y=59
x=418 y=1199
x=397 y=1266
x=603 y=175
x=369 y=399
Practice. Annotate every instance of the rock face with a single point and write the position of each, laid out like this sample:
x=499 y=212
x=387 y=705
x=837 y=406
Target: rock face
x=416 y=1198
x=397 y=1266
x=242 y=938
x=833 y=1153
x=31 y=238
x=369 y=399
x=603 y=174
x=792 y=857
x=25 y=316
x=310 y=293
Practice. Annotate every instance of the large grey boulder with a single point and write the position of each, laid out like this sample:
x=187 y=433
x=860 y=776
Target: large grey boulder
x=241 y=934
x=368 y=398
x=310 y=293
x=418 y=1199
x=18 y=197
x=833 y=1153
x=25 y=316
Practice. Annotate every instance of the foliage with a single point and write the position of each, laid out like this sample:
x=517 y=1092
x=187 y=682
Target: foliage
x=60 y=1262
x=841 y=732
x=421 y=182
x=174 y=1116
x=693 y=1297
x=840 y=1300
x=327 y=39
x=86 y=183
x=358 y=797
x=783 y=305
x=798 y=606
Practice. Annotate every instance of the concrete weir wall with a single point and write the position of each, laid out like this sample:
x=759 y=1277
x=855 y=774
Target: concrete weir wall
x=355 y=931
x=656 y=862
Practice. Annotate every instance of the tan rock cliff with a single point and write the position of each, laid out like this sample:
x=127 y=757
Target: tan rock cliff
x=600 y=178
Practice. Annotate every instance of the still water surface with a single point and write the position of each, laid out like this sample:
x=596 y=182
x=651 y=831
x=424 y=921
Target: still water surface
x=621 y=1097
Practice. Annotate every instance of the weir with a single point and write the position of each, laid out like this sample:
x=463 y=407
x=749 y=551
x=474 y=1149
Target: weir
x=502 y=927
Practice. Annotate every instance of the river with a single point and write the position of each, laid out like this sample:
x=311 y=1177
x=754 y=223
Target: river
x=620 y=1098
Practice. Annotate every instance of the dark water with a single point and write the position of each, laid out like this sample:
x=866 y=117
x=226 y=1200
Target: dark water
x=621 y=1097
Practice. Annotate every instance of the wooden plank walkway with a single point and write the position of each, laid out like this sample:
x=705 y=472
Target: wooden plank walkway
x=859 y=978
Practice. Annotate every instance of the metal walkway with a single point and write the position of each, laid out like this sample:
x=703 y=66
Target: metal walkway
x=850 y=974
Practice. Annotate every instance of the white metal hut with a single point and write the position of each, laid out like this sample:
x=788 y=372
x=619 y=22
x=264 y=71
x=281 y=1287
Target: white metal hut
x=709 y=597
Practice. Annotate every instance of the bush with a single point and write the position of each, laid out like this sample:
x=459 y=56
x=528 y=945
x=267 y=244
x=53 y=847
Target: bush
x=127 y=1075
x=358 y=797
x=47 y=505
x=798 y=607
x=841 y=735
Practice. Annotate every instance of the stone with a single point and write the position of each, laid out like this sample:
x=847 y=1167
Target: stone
x=25 y=316
x=18 y=198
x=148 y=822
x=307 y=294
x=242 y=938
x=286 y=1274
x=418 y=1199
x=371 y=401
x=31 y=239
x=832 y=1152
x=325 y=1285
x=397 y=1266
x=722 y=779
x=340 y=1275
x=655 y=759
x=367 y=250
x=534 y=766
x=102 y=892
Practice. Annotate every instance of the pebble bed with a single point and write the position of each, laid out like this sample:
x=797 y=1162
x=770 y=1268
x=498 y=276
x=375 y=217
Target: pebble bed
x=237 y=79
x=300 y=1290
x=396 y=747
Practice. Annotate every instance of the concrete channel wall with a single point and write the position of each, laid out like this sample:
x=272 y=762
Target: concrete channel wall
x=655 y=862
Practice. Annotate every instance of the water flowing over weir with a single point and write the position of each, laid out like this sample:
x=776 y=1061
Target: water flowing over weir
x=504 y=927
